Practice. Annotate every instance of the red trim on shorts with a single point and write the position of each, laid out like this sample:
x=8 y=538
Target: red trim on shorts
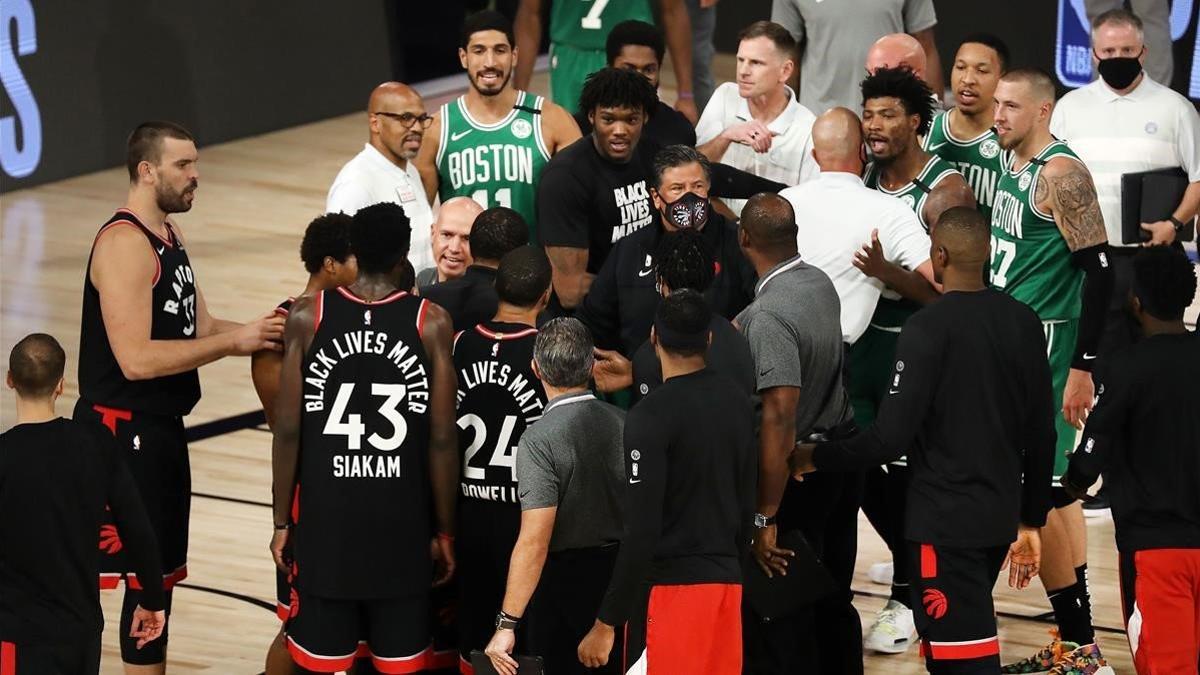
x=169 y=579
x=928 y=562
x=383 y=301
x=284 y=612
x=957 y=651
x=426 y=659
x=8 y=658
x=421 y=318
x=465 y=667
x=109 y=416
x=320 y=301
x=504 y=336
x=315 y=662
x=296 y=505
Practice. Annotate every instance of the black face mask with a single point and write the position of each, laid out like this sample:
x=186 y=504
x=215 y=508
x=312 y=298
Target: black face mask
x=1119 y=72
x=690 y=211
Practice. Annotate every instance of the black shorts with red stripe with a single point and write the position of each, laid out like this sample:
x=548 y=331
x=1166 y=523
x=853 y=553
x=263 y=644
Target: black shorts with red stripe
x=157 y=455
x=50 y=658
x=687 y=628
x=952 y=606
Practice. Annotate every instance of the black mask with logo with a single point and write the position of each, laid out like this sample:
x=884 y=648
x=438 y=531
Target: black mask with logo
x=690 y=211
x=1119 y=72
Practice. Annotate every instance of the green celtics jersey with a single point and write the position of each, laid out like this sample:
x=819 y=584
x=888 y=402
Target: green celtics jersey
x=1030 y=258
x=979 y=160
x=494 y=164
x=584 y=24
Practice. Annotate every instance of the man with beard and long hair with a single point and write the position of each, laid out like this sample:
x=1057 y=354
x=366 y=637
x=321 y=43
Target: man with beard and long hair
x=491 y=143
x=145 y=330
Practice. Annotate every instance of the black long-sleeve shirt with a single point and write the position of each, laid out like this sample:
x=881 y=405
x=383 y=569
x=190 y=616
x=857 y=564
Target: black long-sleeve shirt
x=471 y=299
x=55 y=479
x=691 y=461
x=1144 y=437
x=970 y=398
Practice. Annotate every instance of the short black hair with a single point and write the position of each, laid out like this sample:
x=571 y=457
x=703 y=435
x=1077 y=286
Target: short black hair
x=679 y=155
x=145 y=143
x=497 y=231
x=523 y=276
x=327 y=236
x=617 y=88
x=903 y=84
x=634 y=32
x=681 y=323
x=993 y=42
x=379 y=237
x=770 y=222
x=488 y=19
x=406 y=276
x=683 y=259
x=36 y=365
x=1164 y=281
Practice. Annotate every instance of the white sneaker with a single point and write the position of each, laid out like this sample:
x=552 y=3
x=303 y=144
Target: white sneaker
x=880 y=573
x=893 y=631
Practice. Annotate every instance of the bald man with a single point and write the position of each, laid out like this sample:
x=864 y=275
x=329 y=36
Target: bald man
x=451 y=241
x=384 y=170
x=898 y=49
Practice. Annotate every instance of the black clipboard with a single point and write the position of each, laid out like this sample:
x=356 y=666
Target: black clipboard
x=806 y=581
x=1150 y=197
x=526 y=665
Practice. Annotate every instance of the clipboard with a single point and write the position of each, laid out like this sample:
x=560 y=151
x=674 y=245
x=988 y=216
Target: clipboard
x=806 y=581
x=526 y=665
x=1150 y=197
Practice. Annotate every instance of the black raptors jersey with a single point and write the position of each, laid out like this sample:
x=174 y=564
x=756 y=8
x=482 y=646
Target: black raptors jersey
x=364 y=520
x=498 y=397
x=173 y=317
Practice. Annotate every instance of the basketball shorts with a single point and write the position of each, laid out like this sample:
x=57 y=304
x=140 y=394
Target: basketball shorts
x=51 y=658
x=569 y=67
x=952 y=605
x=1160 y=599
x=483 y=545
x=156 y=451
x=694 y=628
x=325 y=635
x=1060 y=347
x=872 y=360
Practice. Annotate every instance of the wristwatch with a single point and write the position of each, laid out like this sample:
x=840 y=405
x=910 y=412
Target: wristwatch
x=1176 y=222
x=761 y=521
x=506 y=621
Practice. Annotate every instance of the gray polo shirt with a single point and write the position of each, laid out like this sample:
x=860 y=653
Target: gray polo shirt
x=836 y=37
x=573 y=458
x=794 y=329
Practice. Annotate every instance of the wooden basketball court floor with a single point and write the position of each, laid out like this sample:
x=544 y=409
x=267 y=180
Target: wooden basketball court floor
x=255 y=197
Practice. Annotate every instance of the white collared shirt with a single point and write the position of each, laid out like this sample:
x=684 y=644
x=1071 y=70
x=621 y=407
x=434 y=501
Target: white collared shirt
x=789 y=161
x=370 y=178
x=1151 y=127
x=835 y=214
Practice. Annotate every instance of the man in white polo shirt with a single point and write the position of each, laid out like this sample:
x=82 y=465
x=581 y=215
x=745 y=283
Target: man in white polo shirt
x=1125 y=122
x=756 y=124
x=384 y=170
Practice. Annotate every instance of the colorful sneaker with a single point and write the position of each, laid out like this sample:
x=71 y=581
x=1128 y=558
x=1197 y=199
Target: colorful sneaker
x=1043 y=661
x=1085 y=660
x=893 y=631
x=880 y=573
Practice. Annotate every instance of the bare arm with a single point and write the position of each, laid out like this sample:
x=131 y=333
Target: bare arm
x=265 y=367
x=123 y=268
x=528 y=29
x=570 y=277
x=443 y=435
x=678 y=29
x=1065 y=190
x=952 y=191
x=528 y=557
x=427 y=157
x=559 y=128
x=933 y=62
x=285 y=445
x=776 y=441
x=917 y=285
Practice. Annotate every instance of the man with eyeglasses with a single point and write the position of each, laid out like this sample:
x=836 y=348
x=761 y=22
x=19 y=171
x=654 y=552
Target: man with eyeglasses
x=384 y=170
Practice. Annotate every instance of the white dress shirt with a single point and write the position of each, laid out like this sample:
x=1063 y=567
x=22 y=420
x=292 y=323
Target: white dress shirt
x=788 y=161
x=370 y=178
x=835 y=214
x=1151 y=127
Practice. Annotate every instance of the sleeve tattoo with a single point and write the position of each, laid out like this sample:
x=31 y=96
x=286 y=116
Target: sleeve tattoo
x=1076 y=211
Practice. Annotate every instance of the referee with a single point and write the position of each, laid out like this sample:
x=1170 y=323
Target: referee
x=970 y=400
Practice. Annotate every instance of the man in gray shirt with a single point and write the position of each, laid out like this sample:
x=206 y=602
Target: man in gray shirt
x=834 y=38
x=571 y=484
x=794 y=330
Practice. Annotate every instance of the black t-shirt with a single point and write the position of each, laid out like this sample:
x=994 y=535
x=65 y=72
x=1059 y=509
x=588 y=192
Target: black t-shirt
x=56 y=478
x=470 y=300
x=970 y=398
x=667 y=126
x=1144 y=436
x=728 y=355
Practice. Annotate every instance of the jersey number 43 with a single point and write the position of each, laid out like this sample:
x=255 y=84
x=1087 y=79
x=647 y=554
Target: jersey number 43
x=354 y=429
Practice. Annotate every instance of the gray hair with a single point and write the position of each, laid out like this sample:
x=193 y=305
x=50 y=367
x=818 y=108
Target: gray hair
x=563 y=352
x=1120 y=17
x=679 y=155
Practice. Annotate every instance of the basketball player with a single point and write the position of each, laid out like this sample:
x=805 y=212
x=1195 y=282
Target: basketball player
x=144 y=331
x=499 y=397
x=897 y=110
x=491 y=143
x=326 y=254
x=577 y=43
x=364 y=422
x=963 y=135
x=1050 y=251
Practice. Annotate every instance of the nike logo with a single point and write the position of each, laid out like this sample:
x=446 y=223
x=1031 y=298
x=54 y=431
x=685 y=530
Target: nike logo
x=634 y=480
x=161 y=249
x=933 y=148
x=1088 y=357
x=766 y=372
x=646 y=273
x=455 y=137
x=893 y=391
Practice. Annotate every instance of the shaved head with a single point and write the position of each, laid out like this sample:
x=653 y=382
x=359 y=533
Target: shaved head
x=451 y=236
x=460 y=208
x=895 y=50
x=387 y=93
x=961 y=240
x=837 y=140
x=1040 y=86
x=397 y=121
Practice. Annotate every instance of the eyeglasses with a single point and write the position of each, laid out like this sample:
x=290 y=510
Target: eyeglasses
x=408 y=119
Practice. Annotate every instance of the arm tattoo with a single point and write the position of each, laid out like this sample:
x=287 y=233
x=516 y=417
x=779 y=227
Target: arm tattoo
x=1075 y=209
x=1040 y=191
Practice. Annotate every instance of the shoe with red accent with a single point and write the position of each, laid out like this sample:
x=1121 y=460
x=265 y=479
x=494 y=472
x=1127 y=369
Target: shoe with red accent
x=1084 y=660
x=1044 y=660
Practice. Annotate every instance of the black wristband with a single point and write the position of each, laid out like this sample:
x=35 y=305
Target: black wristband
x=1179 y=224
x=285 y=526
